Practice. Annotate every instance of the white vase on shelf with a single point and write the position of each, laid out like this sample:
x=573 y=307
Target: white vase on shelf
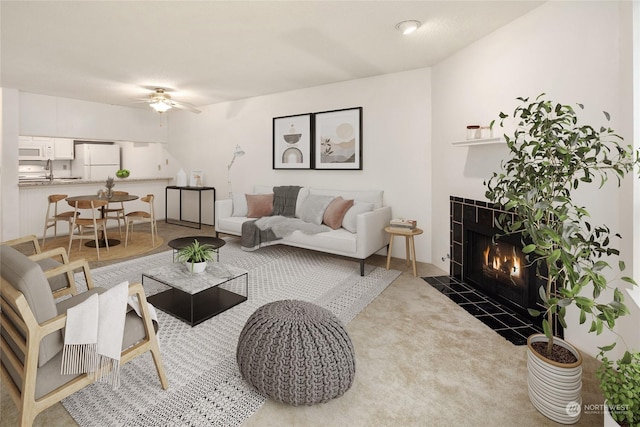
x=181 y=178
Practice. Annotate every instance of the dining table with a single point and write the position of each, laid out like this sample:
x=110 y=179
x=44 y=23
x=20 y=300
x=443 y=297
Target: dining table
x=113 y=199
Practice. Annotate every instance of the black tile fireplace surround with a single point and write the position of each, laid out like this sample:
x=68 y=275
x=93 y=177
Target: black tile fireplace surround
x=472 y=224
x=473 y=255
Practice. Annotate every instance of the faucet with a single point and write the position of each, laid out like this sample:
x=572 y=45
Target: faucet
x=49 y=167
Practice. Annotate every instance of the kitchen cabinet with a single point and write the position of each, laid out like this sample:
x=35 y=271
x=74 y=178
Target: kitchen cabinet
x=63 y=148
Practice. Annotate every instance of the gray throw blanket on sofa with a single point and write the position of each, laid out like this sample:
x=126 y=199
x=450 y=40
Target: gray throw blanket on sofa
x=284 y=200
x=266 y=230
x=253 y=238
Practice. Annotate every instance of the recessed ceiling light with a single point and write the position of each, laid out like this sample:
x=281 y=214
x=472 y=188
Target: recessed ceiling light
x=408 y=27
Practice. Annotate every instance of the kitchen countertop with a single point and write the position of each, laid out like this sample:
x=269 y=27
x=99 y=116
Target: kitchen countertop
x=69 y=181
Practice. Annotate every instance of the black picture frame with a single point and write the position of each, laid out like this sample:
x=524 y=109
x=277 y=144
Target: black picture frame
x=337 y=141
x=293 y=142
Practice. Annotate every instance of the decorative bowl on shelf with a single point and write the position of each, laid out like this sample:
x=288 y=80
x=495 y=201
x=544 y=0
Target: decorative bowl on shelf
x=123 y=173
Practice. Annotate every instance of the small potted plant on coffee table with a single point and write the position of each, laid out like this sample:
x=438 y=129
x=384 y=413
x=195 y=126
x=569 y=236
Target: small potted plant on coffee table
x=195 y=256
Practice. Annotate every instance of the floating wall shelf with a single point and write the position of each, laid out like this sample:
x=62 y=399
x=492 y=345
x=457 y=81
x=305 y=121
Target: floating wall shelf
x=481 y=141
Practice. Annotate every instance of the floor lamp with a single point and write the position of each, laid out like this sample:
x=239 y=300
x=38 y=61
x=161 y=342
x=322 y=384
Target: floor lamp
x=237 y=153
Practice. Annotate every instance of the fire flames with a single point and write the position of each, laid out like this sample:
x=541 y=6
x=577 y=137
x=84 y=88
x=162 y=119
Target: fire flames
x=508 y=264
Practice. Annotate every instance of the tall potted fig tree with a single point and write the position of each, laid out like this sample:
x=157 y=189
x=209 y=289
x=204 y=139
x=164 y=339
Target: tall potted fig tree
x=551 y=156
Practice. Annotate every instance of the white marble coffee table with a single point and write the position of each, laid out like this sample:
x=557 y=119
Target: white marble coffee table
x=196 y=297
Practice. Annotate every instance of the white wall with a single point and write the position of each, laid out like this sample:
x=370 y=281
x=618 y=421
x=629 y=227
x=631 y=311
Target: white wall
x=628 y=326
x=572 y=51
x=396 y=136
x=44 y=115
x=9 y=159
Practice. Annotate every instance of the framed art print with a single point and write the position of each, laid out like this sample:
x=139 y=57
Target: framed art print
x=338 y=139
x=196 y=179
x=292 y=138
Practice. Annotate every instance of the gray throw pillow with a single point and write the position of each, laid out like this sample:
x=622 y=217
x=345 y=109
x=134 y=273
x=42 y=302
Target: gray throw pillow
x=313 y=207
x=239 y=205
x=349 y=221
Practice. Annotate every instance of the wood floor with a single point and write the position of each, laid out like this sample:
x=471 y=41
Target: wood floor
x=167 y=232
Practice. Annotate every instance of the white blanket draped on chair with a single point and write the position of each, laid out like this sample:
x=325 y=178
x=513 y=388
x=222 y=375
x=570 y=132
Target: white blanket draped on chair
x=93 y=335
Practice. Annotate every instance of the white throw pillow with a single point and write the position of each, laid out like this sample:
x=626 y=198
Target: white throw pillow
x=302 y=196
x=239 y=205
x=349 y=221
x=313 y=207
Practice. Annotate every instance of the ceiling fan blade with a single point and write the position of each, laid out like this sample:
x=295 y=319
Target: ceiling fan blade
x=185 y=106
x=161 y=95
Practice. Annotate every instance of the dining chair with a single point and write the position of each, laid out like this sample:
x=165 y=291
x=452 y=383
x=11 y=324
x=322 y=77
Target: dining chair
x=116 y=213
x=53 y=217
x=33 y=326
x=142 y=216
x=89 y=224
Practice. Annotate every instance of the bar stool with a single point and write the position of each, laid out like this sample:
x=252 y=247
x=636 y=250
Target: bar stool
x=142 y=216
x=118 y=212
x=52 y=219
x=92 y=224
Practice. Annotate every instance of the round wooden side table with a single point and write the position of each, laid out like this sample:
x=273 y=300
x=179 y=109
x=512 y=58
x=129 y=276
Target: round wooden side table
x=410 y=246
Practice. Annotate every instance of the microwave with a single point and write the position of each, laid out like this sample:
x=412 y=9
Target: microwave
x=35 y=149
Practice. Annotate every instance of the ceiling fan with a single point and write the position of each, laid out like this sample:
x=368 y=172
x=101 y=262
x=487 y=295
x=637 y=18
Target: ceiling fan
x=161 y=102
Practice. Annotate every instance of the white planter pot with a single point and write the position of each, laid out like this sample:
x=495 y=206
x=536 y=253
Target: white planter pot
x=554 y=388
x=608 y=419
x=196 y=267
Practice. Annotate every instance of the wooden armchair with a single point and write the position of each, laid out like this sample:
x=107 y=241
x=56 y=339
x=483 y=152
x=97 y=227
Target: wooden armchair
x=31 y=334
x=48 y=260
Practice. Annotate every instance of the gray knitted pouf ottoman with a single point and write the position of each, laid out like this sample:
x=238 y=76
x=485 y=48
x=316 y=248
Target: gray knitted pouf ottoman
x=296 y=352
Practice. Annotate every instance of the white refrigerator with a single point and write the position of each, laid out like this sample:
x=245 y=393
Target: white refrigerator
x=96 y=162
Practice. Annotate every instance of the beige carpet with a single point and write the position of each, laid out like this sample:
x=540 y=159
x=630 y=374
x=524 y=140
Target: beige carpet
x=420 y=361
x=423 y=361
x=139 y=244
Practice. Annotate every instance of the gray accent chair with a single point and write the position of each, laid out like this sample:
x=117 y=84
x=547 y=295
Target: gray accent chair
x=61 y=284
x=32 y=333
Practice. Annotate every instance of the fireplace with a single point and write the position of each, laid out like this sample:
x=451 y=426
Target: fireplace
x=498 y=268
x=495 y=267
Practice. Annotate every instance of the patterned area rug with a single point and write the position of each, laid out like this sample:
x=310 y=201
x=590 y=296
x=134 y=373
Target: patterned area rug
x=205 y=386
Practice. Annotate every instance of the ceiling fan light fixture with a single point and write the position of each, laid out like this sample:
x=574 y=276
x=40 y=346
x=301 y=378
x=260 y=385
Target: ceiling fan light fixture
x=408 y=27
x=161 y=102
x=160 y=105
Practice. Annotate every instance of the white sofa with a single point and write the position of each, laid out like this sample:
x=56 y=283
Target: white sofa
x=369 y=236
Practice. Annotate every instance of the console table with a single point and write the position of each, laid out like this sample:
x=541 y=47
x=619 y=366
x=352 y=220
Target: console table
x=181 y=189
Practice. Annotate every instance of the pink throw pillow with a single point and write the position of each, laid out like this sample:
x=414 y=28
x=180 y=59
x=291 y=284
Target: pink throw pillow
x=259 y=205
x=335 y=212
